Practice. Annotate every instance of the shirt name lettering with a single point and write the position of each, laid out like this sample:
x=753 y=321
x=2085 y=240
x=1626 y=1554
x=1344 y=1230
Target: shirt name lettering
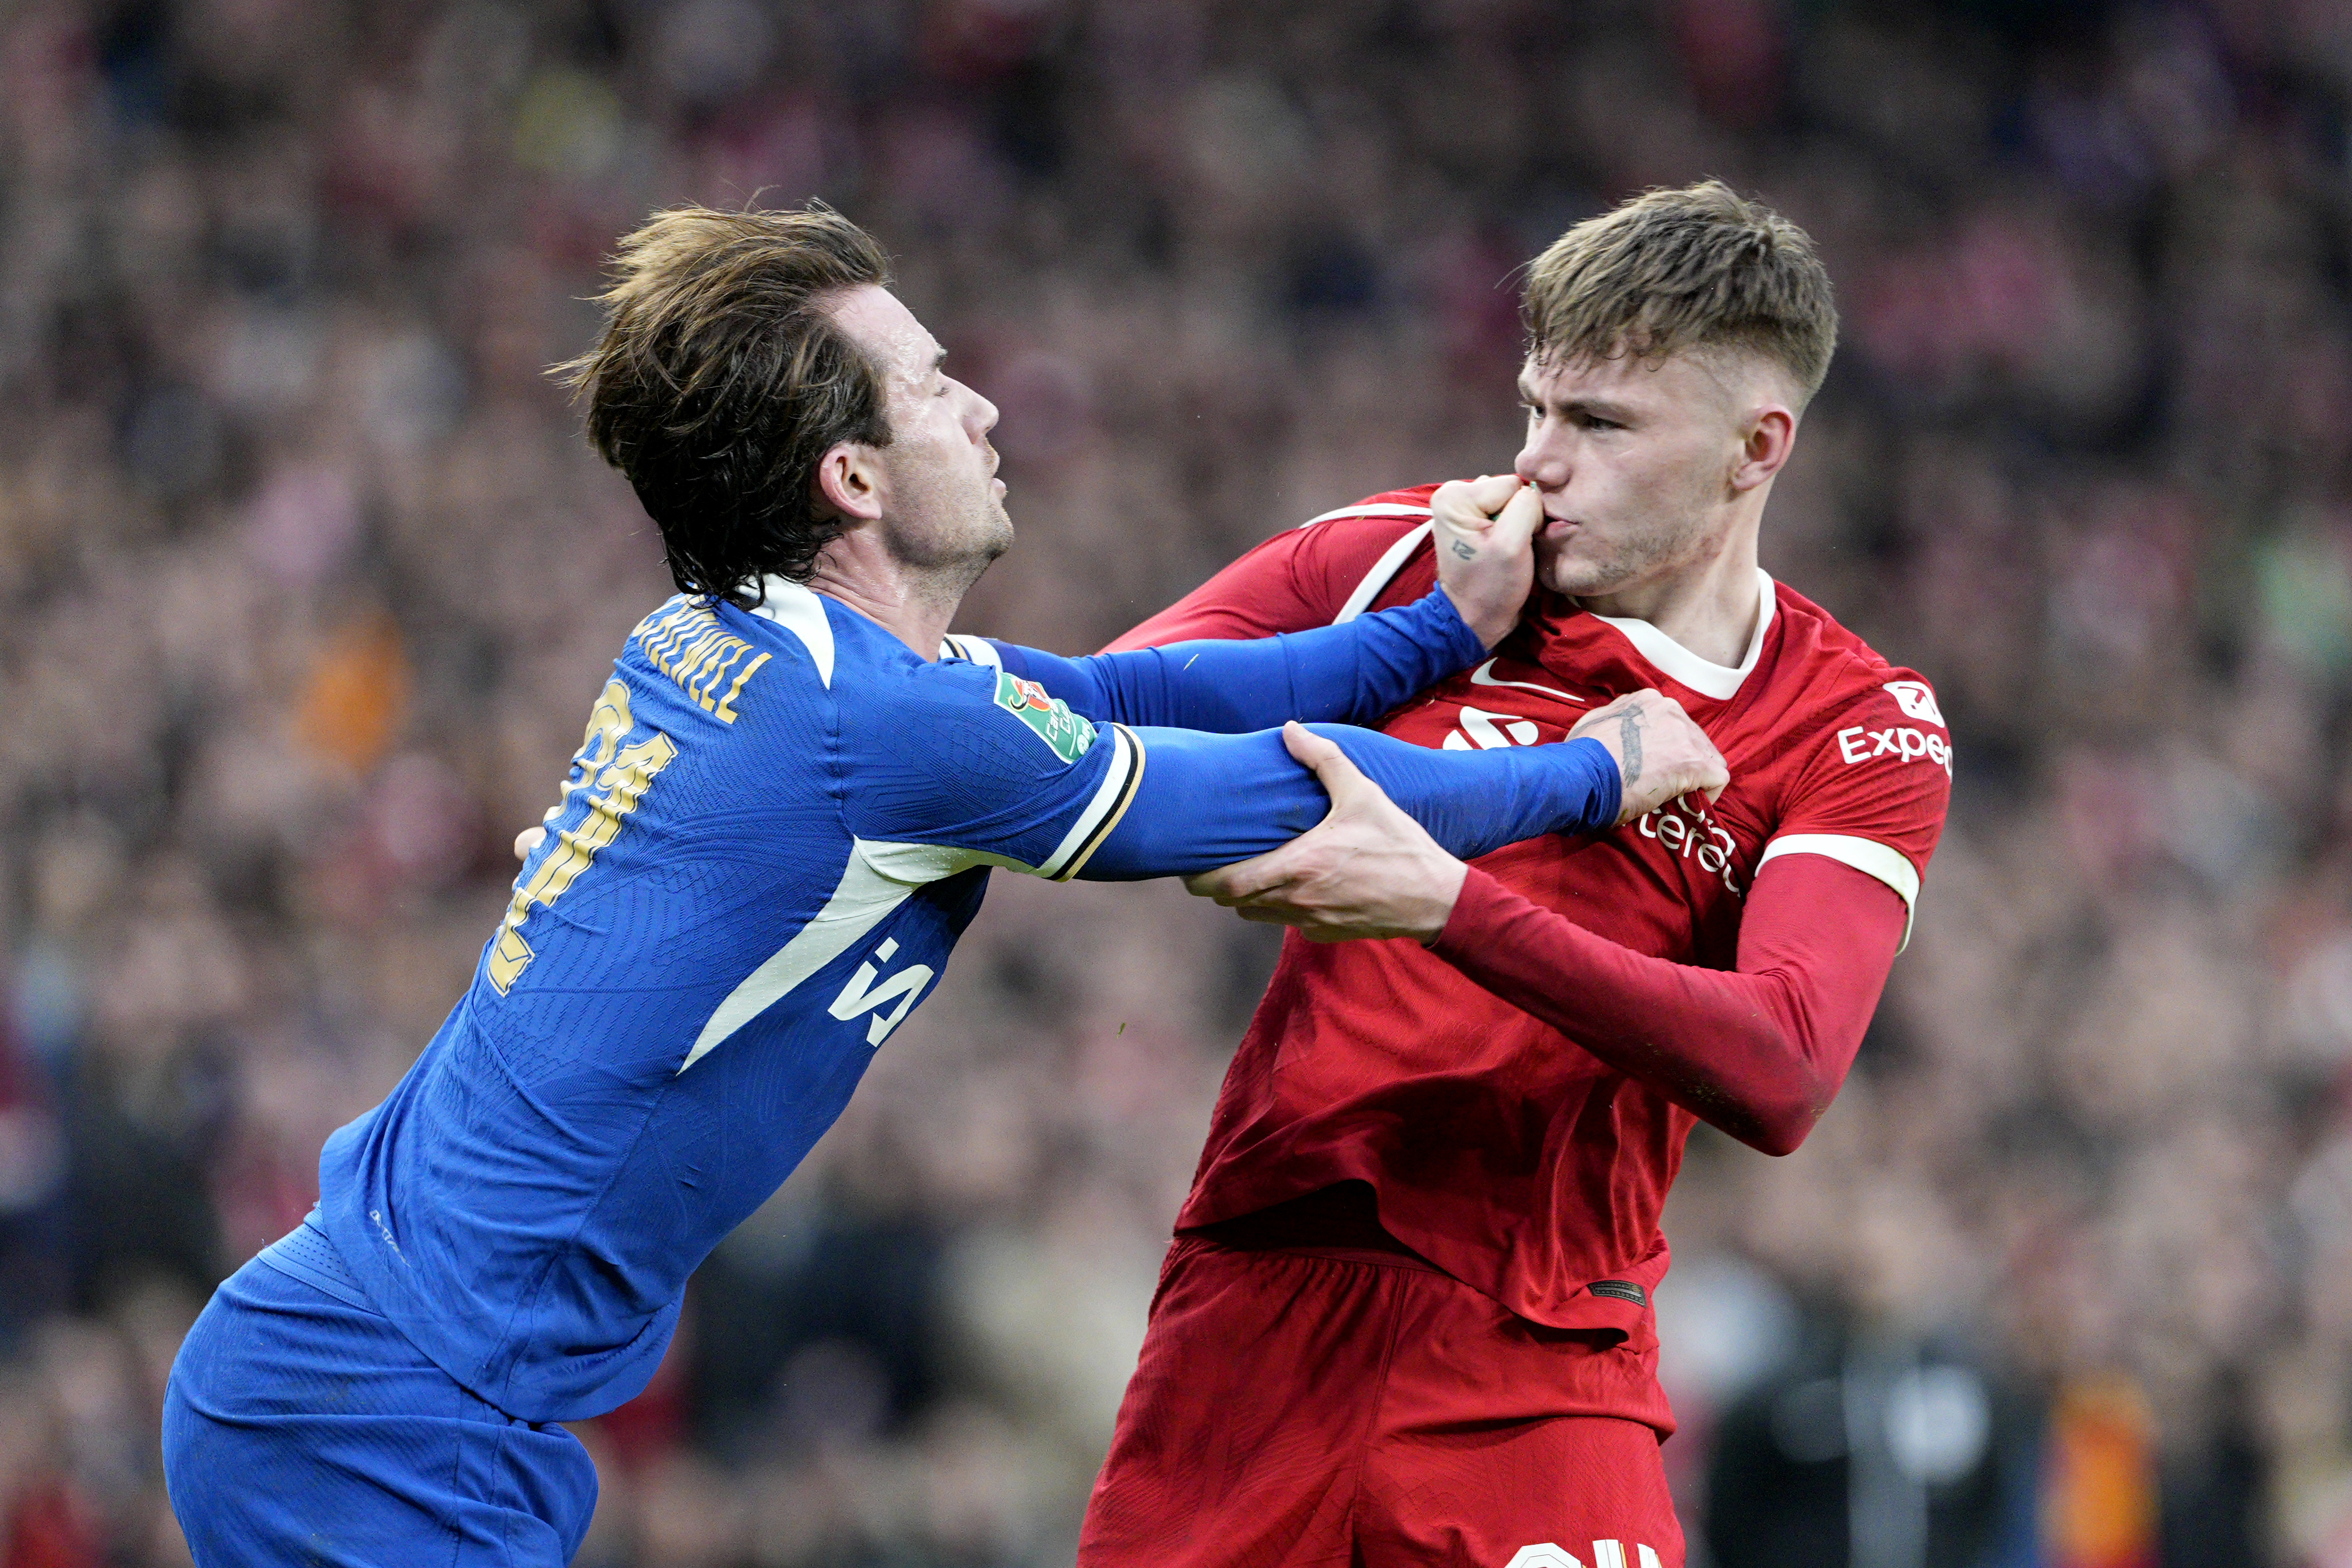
x=685 y=642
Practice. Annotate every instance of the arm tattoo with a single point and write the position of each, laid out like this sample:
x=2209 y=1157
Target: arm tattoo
x=1629 y=741
x=1464 y=551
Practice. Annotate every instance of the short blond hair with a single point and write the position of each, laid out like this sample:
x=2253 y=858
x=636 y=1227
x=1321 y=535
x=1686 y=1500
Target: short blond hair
x=1698 y=267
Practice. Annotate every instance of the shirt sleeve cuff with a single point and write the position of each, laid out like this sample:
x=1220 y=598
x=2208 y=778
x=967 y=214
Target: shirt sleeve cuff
x=1468 y=645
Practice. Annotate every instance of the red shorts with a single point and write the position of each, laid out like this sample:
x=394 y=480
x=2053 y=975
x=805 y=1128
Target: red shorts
x=1296 y=1407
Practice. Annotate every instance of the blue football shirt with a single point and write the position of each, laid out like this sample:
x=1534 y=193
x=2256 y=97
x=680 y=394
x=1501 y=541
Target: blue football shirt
x=776 y=828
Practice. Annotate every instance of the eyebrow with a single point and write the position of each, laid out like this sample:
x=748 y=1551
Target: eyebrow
x=1601 y=407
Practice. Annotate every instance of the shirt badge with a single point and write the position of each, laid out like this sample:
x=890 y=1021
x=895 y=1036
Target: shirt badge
x=1069 y=735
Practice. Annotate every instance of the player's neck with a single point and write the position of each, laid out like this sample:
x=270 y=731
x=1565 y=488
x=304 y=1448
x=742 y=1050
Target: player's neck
x=1710 y=605
x=913 y=604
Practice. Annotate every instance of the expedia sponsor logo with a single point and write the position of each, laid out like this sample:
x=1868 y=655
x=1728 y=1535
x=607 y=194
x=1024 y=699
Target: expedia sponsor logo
x=1861 y=743
x=1918 y=700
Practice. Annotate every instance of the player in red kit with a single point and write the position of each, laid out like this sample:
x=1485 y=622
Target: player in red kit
x=1408 y=1317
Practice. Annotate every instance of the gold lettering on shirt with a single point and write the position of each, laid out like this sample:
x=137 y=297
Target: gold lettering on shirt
x=686 y=642
x=619 y=775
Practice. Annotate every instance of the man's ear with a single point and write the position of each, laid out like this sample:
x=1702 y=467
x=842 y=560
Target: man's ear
x=850 y=483
x=1770 y=434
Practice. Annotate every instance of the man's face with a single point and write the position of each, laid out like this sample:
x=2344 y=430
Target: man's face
x=1634 y=461
x=943 y=504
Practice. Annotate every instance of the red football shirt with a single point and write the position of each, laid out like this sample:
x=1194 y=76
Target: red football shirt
x=1495 y=1146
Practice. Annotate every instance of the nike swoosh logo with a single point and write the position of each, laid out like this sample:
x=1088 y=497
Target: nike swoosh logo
x=1479 y=677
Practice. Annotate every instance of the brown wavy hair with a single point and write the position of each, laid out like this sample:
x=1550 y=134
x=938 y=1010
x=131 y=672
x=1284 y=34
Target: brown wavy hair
x=720 y=378
x=1700 y=268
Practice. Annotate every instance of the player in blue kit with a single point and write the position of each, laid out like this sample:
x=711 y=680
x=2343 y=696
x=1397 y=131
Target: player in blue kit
x=784 y=815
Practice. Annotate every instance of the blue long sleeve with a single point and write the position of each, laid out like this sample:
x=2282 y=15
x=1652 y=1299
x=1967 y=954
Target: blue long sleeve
x=1206 y=801
x=1344 y=674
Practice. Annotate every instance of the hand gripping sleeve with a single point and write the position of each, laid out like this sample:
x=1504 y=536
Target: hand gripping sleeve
x=1344 y=674
x=1206 y=801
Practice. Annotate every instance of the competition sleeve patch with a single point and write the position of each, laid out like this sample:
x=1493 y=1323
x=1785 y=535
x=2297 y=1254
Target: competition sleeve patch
x=1065 y=733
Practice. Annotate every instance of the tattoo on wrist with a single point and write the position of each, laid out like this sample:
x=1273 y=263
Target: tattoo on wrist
x=1629 y=741
x=1464 y=551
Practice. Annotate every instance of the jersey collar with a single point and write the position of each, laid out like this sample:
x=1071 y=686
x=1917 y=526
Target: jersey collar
x=1671 y=659
x=797 y=609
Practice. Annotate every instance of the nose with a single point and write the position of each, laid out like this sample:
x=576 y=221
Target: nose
x=984 y=413
x=1543 y=462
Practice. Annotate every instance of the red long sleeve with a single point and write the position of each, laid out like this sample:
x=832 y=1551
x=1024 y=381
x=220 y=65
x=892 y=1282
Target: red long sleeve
x=1759 y=1051
x=1301 y=577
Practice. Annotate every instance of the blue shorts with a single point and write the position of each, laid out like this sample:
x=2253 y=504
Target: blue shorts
x=301 y=1427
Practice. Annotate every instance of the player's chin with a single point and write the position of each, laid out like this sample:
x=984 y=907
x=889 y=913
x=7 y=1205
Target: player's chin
x=1575 y=576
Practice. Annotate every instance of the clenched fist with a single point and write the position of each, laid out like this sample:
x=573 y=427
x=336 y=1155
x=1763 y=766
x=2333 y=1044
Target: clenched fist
x=1484 y=532
x=1662 y=753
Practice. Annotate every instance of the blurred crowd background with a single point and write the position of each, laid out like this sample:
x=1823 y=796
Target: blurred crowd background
x=310 y=581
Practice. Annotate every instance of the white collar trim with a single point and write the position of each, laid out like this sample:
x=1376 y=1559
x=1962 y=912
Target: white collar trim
x=798 y=610
x=1671 y=659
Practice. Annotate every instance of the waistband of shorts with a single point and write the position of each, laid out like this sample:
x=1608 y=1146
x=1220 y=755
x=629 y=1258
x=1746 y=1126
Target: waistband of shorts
x=306 y=1254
